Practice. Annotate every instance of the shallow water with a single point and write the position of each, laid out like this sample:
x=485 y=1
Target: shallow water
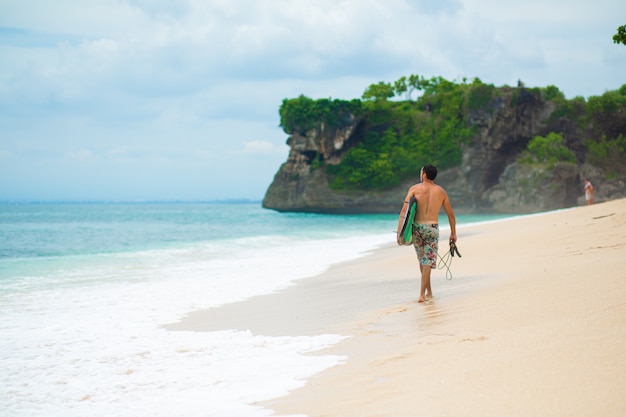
x=85 y=289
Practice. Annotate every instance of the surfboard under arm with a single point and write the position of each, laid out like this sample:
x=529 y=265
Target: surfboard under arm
x=405 y=224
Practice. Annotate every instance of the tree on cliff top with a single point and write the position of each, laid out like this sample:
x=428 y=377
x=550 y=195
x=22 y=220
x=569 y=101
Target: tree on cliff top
x=404 y=85
x=620 y=36
x=379 y=92
x=409 y=85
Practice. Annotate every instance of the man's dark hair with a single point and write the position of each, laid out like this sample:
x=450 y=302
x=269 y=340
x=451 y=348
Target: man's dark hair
x=430 y=171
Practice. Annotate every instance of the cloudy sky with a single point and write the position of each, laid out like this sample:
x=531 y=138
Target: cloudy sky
x=178 y=99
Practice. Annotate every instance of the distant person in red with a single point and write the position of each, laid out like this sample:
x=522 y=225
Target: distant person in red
x=588 y=191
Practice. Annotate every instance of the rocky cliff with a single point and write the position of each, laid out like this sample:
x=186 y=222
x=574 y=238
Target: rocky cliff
x=489 y=178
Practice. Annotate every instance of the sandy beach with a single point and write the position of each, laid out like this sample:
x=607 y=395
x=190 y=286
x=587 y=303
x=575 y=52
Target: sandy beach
x=533 y=322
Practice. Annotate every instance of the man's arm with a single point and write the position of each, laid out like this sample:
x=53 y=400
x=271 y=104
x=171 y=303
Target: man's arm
x=451 y=219
x=405 y=207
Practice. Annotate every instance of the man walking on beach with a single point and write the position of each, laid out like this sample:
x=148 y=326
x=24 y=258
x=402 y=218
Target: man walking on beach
x=430 y=198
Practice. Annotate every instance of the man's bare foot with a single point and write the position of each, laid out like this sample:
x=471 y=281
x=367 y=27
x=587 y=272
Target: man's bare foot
x=424 y=298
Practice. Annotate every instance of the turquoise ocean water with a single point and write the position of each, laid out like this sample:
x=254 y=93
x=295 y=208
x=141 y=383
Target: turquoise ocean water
x=86 y=288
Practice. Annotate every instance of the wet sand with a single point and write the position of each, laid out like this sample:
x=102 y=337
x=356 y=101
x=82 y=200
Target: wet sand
x=533 y=322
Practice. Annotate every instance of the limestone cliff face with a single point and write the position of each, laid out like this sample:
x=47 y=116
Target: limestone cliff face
x=298 y=186
x=488 y=179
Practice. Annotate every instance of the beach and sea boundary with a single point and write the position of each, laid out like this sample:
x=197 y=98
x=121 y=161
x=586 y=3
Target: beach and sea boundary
x=533 y=322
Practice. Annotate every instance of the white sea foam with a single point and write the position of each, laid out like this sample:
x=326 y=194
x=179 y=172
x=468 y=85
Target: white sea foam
x=89 y=341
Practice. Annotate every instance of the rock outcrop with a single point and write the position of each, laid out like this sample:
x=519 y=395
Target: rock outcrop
x=489 y=178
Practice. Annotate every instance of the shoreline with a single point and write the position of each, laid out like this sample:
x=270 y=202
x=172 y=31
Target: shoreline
x=533 y=322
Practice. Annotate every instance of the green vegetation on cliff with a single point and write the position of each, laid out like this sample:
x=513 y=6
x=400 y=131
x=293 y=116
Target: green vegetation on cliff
x=547 y=150
x=303 y=114
x=397 y=136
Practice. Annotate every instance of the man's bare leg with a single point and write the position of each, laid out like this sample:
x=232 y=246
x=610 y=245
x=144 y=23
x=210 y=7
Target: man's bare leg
x=426 y=291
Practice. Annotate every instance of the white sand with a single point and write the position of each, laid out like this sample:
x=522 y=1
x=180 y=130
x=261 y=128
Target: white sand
x=533 y=323
x=545 y=337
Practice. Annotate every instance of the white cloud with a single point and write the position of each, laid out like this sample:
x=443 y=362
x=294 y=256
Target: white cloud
x=259 y=147
x=179 y=83
x=83 y=155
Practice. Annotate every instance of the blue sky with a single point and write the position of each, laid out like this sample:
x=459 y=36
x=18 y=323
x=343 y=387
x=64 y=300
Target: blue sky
x=178 y=99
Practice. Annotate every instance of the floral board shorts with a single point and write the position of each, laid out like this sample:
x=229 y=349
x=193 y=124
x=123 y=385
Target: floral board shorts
x=426 y=243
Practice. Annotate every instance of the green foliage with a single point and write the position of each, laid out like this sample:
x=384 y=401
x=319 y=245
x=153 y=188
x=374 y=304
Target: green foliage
x=316 y=162
x=438 y=85
x=574 y=109
x=399 y=136
x=379 y=92
x=369 y=165
x=297 y=114
x=610 y=154
x=620 y=36
x=409 y=85
x=479 y=95
x=401 y=87
x=607 y=114
x=301 y=114
x=552 y=92
x=547 y=150
x=604 y=105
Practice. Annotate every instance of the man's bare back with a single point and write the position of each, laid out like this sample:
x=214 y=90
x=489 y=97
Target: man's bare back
x=430 y=199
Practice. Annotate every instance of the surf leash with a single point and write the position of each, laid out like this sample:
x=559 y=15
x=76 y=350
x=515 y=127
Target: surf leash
x=446 y=259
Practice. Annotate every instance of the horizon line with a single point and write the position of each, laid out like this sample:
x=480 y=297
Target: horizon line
x=122 y=201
